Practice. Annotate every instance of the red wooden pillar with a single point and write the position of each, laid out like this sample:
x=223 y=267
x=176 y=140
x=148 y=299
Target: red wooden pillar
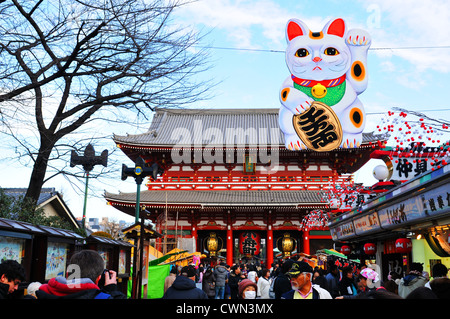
x=194 y=229
x=269 y=246
x=230 y=245
x=306 y=248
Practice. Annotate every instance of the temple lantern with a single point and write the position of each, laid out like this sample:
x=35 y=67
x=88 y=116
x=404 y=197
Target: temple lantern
x=370 y=249
x=213 y=244
x=249 y=243
x=286 y=244
x=403 y=245
x=346 y=250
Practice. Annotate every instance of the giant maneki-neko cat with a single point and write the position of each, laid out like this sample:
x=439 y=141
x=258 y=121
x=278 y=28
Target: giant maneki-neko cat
x=320 y=107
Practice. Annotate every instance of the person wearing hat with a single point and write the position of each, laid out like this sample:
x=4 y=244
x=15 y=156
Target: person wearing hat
x=31 y=290
x=247 y=289
x=366 y=282
x=300 y=275
x=184 y=286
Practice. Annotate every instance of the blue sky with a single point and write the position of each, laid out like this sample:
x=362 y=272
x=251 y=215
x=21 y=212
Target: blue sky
x=250 y=75
x=408 y=63
x=410 y=78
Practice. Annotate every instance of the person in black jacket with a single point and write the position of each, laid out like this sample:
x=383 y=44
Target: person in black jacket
x=234 y=278
x=184 y=286
x=347 y=285
x=319 y=278
x=209 y=283
x=282 y=282
x=11 y=275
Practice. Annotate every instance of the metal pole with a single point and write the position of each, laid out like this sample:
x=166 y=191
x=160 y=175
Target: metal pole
x=141 y=260
x=138 y=268
x=85 y=200
x=138 y=200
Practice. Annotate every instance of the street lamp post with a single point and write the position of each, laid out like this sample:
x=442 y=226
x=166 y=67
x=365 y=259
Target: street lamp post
x=139 y=172
x=88 y=161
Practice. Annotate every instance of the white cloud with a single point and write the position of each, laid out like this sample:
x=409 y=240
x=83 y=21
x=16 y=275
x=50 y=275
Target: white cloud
x=392 y=24
x=245 y=20
x=414 y=23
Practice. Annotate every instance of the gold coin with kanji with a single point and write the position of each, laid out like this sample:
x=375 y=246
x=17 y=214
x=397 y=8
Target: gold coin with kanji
x=319 y=127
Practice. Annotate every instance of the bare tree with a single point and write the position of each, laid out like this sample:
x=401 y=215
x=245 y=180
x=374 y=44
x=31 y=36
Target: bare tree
x=66 y=63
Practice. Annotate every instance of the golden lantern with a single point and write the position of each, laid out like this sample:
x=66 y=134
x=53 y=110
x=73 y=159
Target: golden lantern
x=286 y=244
x=212 y=244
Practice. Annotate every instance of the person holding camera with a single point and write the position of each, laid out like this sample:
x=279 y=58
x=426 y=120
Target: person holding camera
x=87 y=278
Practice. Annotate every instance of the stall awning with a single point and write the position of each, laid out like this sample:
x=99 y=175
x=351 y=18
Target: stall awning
x=107 y=241
x=24 y=227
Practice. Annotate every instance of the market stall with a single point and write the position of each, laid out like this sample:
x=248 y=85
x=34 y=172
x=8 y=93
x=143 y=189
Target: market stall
x=116 y=254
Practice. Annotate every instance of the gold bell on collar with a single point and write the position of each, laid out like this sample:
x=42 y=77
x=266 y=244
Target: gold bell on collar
x=319 y=91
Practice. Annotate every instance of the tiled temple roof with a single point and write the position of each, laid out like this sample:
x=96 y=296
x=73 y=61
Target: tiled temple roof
x=234 y=127
x=220 y=198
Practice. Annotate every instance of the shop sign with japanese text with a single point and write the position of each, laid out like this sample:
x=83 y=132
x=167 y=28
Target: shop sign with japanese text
x=366 y=223
x=343 y=231
x=432 y=202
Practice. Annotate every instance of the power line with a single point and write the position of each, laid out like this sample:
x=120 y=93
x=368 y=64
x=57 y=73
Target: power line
x=282 y=51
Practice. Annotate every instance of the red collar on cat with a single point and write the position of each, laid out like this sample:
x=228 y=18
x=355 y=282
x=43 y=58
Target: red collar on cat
x=325 y=83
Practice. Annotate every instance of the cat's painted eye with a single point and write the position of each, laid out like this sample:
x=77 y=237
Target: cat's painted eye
x=301 y=53
x=331 y=51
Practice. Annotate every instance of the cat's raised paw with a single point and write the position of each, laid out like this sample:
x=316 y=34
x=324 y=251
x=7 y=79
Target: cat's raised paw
x=358 y=37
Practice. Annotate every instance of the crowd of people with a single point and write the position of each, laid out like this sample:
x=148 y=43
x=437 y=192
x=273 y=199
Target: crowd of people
x=86 y=278
x=290 y=279
x=296 y=279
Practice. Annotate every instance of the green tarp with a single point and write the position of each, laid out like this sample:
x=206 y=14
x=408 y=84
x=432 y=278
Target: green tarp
x=155 y=287
x=156 y=277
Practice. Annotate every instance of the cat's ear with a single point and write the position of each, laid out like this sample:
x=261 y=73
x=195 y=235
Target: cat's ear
x=335 y=27
x=295 y=28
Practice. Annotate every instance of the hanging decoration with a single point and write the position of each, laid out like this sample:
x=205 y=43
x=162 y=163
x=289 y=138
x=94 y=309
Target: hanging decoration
x=345 y=195
x=370 y=249
x=249 y=243
x=420 y=143
x=314 y=219
x=403 y=245
x=213 y=244
x=286 y=244
x=346 y=250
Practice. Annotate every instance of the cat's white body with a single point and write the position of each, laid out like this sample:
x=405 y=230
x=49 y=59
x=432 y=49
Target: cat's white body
x=327 y=57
